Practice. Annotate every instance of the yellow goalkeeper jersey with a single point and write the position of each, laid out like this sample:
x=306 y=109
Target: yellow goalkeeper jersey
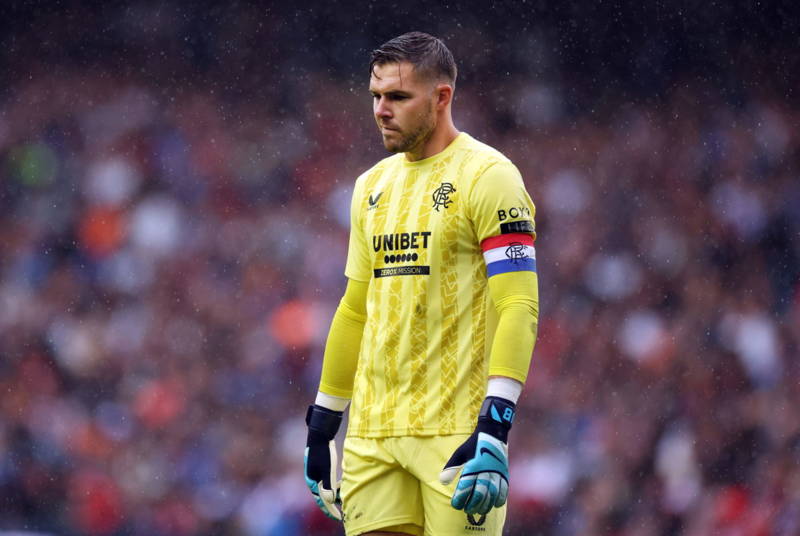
x=417 y=230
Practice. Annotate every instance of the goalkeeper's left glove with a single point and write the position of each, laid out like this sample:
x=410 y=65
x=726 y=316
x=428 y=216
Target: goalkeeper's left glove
x=320 y=462
x=484 y=459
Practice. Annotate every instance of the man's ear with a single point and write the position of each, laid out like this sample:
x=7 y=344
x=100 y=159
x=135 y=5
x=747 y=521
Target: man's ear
x=444 y=95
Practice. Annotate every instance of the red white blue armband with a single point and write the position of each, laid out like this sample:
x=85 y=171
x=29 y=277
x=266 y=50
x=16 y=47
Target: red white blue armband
x=513 y=252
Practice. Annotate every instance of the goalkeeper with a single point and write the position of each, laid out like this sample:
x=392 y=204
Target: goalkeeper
x=431 y=343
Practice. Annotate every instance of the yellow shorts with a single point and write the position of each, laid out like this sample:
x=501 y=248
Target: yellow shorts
x=392 y=484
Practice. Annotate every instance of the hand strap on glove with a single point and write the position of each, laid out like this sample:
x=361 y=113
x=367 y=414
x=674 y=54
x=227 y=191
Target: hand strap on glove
x=496 y=417
x=323 y=423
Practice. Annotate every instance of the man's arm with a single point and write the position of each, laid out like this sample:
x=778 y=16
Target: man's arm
x=483 y=458
x=336 y=387
x=502 y=214
x=344 y=342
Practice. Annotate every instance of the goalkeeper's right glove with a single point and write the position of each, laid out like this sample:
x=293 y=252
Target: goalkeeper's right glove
x=320 y=462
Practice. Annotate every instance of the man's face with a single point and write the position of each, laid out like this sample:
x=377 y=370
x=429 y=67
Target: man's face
x=404 y=106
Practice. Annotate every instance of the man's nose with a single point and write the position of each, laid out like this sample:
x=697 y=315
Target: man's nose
x=382 y=109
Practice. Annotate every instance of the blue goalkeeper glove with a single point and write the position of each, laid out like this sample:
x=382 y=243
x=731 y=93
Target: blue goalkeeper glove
x=484 y=458
x=320 y=462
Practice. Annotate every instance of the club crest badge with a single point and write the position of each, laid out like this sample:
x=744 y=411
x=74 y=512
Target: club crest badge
x=441 y=196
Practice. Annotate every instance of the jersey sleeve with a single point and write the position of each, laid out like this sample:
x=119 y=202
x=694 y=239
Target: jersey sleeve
x=502 y=214
x=516 y=297
x=358 y=265
x=500 y=204
x=503 y=219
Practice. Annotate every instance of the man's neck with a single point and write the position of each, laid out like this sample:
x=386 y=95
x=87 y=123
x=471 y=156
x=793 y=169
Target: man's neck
x=438 y=142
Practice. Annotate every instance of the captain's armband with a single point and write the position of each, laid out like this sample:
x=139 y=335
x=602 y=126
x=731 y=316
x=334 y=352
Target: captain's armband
x=511 y=252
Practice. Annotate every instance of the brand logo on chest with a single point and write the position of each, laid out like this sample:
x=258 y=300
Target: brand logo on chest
x=373 y=201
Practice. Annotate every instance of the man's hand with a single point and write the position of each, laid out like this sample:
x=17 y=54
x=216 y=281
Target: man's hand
x=484 y=458
x=320 y=462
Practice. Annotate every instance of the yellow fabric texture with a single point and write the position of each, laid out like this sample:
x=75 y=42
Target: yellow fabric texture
x=344 y=341
x=416 y=229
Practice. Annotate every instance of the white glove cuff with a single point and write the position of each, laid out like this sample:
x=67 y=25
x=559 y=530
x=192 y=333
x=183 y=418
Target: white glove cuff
x=503 y=387
x=333 y=403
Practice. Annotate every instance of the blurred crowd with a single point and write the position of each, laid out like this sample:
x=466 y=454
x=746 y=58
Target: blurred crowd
x=173 y=250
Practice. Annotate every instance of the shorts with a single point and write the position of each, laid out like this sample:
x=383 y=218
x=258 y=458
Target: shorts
x=392 y=484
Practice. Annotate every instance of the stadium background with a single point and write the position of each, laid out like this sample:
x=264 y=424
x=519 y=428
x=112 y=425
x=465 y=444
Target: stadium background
x=173 y=210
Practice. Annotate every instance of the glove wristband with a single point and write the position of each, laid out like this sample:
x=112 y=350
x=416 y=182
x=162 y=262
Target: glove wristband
x=323 y=422
x=496 y=416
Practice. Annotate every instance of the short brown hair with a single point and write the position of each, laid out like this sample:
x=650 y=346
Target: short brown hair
x=425 y=52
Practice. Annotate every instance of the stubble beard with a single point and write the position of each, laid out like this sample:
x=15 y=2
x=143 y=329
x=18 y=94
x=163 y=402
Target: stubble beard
x=413 y=139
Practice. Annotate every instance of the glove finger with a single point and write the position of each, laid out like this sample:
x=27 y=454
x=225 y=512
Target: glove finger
x=322 y=497
x=449 y=474
x=493 y=492
x=480 y=503
x=478 y=496
x=331 y=496
x=502 y=495
x=334 y=466
x=463 y=492
x=327 y=498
